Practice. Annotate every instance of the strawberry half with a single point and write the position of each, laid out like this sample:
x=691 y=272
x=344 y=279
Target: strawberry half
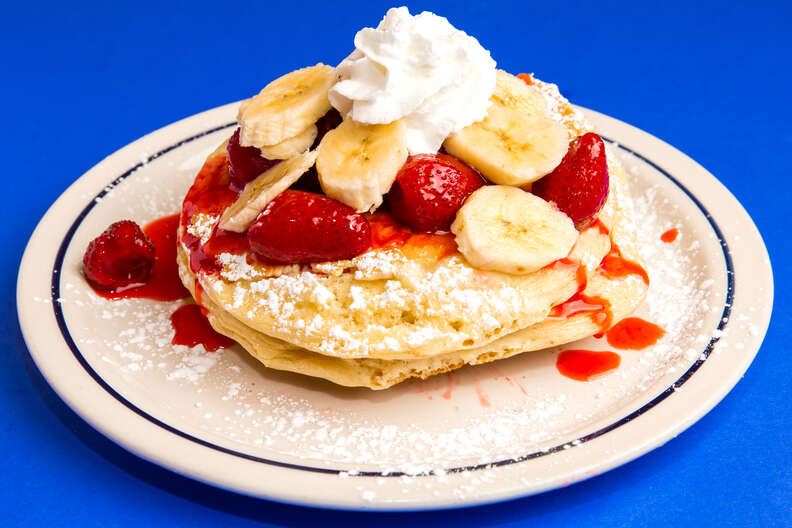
x=245 y=163
x=121 y=257
x=298 y=227
x=579 y=185
x=430 y=189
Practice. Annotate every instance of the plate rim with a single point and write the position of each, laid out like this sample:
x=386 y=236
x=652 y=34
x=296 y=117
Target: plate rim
x=64 y=393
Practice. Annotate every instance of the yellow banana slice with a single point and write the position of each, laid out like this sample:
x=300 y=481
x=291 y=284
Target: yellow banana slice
x=261 y=191
x=513 y=93
x=503 y=228
x=286 y=107
x=511 y=147
x=291 y=147
x=357 y=163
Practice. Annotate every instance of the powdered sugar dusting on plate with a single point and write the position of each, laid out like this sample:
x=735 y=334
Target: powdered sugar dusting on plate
x=227 y=398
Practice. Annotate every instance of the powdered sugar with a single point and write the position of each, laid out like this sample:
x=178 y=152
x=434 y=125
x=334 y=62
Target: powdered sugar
x=228 y=399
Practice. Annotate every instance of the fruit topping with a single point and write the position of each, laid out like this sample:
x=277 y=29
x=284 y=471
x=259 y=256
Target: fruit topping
x=515 y=93
x=358 y=163
x=245 y=163
x=298 y=227
x=291 y=147
x=511 y=146
x=263 y=190
x=119 y=258
x=286 y=107
x=430 y=189
x=326 y=123
x=502 y=228
x=579 y=185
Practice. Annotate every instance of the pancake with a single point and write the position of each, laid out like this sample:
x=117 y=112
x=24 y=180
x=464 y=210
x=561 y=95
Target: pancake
x=415 y=308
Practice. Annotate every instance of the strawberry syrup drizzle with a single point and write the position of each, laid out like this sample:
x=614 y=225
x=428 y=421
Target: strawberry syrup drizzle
x=388 y=233
x=613 y=265
x=164 y=283
x=211 y=195
x=634 y=333
x=670 y=235
x=583 y=365
x=192 y=328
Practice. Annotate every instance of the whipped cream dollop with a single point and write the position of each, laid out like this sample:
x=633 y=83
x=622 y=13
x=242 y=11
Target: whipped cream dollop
x=420 y=69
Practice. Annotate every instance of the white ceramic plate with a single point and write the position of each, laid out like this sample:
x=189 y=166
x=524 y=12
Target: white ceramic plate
x=478 y=435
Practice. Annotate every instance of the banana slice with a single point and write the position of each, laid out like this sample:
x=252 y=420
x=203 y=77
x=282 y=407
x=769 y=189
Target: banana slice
x=502 y=228
x=286 y=107
x=261 y=191
x=357 y=163
x=511 y=147
x=512 y=92
x=291 y=147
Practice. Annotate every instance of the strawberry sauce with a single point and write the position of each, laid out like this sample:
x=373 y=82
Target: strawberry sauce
x=389 y=233
x=615 y=266
x=164 y=283
x=634 y=333
x=192 y=328
x=211 y=195
x=670 y=235
x=583 y=365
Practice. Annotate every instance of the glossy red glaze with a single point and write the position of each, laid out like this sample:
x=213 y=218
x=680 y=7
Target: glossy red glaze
x=583 y=365
x=527 y=78
x=597 y=307
x=210 y=194
x=614 y=265
x=120 y=258
x=245 y=163
x=579 y=185
x=670 y=235
x=299 y=227
x=389 y=233
x=192 y=328
x=429 y=190
x=163 y=283
x=634 y=333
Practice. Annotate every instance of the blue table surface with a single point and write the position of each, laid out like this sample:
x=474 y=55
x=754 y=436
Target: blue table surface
x=81 y=81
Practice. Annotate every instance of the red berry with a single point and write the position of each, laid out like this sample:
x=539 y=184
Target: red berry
x=245 y=163
x=121 y=256
x=579 y=185
x=325 y=124
x=299 y=227
x=430 y=189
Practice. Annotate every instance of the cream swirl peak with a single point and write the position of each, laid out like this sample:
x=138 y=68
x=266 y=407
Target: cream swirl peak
x=420 y=69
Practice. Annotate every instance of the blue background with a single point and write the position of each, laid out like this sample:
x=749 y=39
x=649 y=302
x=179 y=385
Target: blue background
x=79 y=82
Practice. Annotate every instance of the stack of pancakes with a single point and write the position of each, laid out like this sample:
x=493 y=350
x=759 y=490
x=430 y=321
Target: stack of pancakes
x=395 y=313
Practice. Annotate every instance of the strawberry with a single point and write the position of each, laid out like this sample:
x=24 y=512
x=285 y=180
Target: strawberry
x=245 y=163
x=579 y=185
x=299 y=227
x=325 y=124
x=120 y=257
x=429 y=190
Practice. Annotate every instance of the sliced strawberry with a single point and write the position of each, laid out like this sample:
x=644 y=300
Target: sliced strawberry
x=430 y=189
x=121 y=256
x=299 y=227
x=325 y=124
x=245 y=163
x=579 y=185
